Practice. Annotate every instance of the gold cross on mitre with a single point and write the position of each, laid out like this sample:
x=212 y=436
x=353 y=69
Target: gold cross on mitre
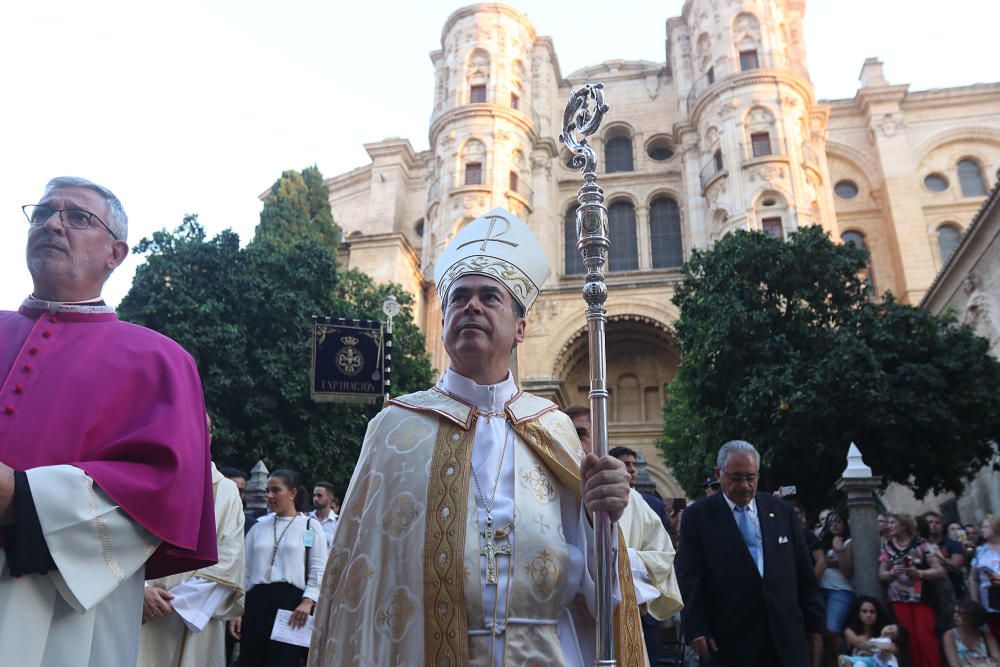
x=491 y=550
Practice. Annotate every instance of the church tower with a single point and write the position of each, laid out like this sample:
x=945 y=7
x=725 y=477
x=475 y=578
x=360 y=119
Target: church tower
x=485 y=128
x=754 y=145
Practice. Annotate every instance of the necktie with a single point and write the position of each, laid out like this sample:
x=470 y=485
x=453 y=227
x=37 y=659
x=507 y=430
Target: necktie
x=749 y=534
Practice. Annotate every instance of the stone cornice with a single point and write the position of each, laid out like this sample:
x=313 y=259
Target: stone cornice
x=935 y=97
x=391 y=239
x=617 y=70
x=482 y=110
x=390 y=147
x=865 y=98
x=749 y=78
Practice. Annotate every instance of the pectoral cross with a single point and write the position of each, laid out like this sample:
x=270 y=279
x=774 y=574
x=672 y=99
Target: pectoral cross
x=491 y=550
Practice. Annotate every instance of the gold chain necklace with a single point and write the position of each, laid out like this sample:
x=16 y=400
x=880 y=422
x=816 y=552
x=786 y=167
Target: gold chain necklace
x=277 y=540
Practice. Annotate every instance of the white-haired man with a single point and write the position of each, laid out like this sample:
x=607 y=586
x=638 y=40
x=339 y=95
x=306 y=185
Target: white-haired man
x=464 y=537
x=745 y=572
x=104 y=465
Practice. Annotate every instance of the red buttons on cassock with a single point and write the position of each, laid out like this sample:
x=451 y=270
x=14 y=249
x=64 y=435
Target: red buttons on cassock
x=19 y=389
x=33 y=350
x=9 y=409
x=53 y=319
x=46 y=334
x=27 y=368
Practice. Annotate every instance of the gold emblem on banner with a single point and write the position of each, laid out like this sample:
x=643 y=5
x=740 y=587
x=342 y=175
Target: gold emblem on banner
x=350 y=361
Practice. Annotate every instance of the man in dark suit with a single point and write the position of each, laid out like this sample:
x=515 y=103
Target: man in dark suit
x=745 y=573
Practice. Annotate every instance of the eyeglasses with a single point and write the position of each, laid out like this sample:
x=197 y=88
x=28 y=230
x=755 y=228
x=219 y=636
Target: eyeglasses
x=742 y=479
x=71 y=218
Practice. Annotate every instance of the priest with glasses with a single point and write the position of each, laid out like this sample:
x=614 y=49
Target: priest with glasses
x=105 y=475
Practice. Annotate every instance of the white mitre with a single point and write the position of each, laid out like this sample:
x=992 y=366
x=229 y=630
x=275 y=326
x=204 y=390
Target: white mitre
x=499 y=246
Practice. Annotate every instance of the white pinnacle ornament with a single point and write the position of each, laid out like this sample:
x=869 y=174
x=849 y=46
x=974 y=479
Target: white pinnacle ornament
x=855 y=464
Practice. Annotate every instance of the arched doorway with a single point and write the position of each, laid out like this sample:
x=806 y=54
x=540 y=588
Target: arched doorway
x=641 y=360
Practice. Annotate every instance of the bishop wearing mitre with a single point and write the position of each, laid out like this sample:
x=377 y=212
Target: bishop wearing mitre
x=466 y=537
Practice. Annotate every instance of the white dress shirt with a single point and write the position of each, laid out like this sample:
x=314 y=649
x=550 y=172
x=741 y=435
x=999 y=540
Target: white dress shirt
x=290 y=559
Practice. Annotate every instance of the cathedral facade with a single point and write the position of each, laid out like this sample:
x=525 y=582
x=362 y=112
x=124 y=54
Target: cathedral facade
x=725 y=134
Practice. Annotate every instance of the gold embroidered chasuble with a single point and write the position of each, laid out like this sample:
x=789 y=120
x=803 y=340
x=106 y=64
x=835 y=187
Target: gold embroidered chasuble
x=402 y=584
x=644 y=533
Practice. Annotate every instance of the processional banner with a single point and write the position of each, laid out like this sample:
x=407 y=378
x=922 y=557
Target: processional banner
x=348 y=360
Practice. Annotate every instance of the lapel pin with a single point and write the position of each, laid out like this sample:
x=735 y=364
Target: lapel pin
x=771 y=514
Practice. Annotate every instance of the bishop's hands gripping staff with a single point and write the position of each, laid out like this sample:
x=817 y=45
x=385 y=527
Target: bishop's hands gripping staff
x=465 y=537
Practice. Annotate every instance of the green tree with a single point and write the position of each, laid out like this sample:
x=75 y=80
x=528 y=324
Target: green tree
x=245 y=314
x=298 y=207
x=781 y=345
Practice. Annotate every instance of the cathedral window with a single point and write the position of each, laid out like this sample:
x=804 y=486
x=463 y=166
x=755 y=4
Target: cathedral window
x=857 y=239
x=515 y=101
x=624 y=254
x=717 y=159
x=710 y=75
x=665 y=233
x=474 y=173
x=618 y=155
x=948 y=238
x=477 y=93
x=748 y=60
x=513 y=182
x=772 y=228
x=574 y=261
x=660 y=149
x=760 y=143
x=846 y=190
x=970 y=178
x=936 y=182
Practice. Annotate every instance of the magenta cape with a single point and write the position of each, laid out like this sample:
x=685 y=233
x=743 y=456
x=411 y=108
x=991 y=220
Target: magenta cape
x=122 y=403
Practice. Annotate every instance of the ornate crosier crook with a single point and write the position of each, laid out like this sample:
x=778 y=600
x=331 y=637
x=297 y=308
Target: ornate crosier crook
x=594 y=243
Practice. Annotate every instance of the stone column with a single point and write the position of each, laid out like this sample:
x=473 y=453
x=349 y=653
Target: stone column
x=858 y=483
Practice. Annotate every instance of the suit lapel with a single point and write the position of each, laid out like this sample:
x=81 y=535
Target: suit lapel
x=731 y=532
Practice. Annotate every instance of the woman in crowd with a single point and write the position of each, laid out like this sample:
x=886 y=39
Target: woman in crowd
x=967 y=645
x=835 y=579
x=285 y=558
x=883 y=527
x=907 y=563
x=984 y=575
x=863 y=635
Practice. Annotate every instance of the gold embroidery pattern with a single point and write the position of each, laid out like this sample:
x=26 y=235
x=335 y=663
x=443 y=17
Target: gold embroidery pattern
x=394 y=619
x=102 y=531
x=512 y=277
x=408 y=434
x=628 y=636
x=544 y=574
x=402 y=514
x=362 y=497
x=358 y=575
x=446 y=640
x=631 y=650
x=536 y=481
x=555 y=458
x=335 y=569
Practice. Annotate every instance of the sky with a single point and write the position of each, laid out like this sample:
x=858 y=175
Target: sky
x=198 y=106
